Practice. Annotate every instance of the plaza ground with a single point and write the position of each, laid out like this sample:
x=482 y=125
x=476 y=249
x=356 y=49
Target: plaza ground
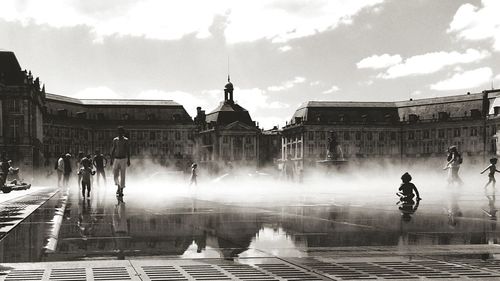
x=245 y=230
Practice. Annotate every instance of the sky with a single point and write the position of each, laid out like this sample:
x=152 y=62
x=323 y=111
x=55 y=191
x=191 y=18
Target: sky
x=279 y=53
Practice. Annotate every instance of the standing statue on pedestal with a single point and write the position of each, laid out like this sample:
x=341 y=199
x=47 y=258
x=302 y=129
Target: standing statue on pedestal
x=334 y=151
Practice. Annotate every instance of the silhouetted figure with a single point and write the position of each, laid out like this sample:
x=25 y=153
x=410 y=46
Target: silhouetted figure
x=120 y=159
x=4 y=171
x=407 y=191
x=86 y=174
x=194 y=174
x=453 y=165
x=4 y=164
x=100 y=163
x=60 y=170
x=78 y=165
x=491 y=174
x=67 y=169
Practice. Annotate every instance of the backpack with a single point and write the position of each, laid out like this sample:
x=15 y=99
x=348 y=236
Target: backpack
x=460 y=160
x=57 y=164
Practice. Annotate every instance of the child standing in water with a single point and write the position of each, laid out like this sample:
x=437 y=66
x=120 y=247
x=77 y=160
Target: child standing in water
x=406 y=189
x=491 y=175
x=194 y=174
x=86 y=173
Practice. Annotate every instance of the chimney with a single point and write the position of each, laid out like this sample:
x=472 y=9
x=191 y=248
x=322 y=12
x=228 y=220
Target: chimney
x=486 y=104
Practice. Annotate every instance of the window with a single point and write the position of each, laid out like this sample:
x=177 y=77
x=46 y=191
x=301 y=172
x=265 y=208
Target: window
x=347 y=136
x=311 y=135
x=369 y=136
x=310 y=149
x=177 y=135
x=426 y=134
x=225 y=139
x=15 y=128
x=411 y=135
x=321 y=135
x=248 y=140
x=441 y=133
x=15 y=106
x=473 y=131
x=393 y=135
x=152 y=136
x=456 y=132
x=381 y=136
x=358 y=136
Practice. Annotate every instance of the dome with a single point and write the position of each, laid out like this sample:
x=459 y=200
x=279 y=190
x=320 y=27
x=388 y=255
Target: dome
x=229 y=85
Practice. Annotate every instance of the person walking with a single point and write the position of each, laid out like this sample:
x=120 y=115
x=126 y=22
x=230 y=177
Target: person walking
x=100 y=163
x=194 y=175
x=120 y=159
x=60 y=170
x=453 y=166
x=86 y=174
x=67 y=169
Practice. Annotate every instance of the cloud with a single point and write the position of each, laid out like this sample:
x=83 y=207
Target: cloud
x=238 y=20
x=478 y=22
x=465 y=80
x=315 y=83
x=97 y=93
x=333 y=89
x=285 y=48
x=377 y=62
x=432 y=62
x=268 y=122
x=287 y=84
x=255 y=99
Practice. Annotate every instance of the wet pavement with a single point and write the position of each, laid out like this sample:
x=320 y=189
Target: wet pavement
x=329 y=233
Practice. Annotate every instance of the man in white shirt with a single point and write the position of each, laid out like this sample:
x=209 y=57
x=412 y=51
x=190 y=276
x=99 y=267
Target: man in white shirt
x=120 y=159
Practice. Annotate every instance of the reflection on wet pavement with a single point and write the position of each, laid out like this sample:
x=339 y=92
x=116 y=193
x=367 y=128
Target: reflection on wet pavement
x=193 y=225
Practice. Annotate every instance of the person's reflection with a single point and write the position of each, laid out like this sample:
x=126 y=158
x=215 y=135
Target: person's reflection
x=454 y=212
x=120 y=226
x=407 y=207
x=492 y=212
x=85 y=219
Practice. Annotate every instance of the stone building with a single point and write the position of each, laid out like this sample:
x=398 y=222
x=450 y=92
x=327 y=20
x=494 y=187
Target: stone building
x=227 y=135
x=160 y=130
x=22 y=100
x=36 y=127
x=395 y=130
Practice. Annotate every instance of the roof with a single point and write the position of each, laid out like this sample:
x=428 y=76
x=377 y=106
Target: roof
x=428 y=108
x=9 y=66
x=112 y=102
x=309 y=104
x=228 y=112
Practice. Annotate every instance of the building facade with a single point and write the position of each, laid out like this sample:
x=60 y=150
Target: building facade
x=22 y=102
x=160 y=130
x=395 y=130
x=227 y=136
x=37 y=127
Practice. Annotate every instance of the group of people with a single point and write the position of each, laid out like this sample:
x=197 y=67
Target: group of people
x=119 y=160
x=86 y=165
x=408 y=191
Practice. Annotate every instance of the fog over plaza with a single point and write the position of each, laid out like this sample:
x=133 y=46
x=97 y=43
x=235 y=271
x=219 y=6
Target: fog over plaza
x=280 y=53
